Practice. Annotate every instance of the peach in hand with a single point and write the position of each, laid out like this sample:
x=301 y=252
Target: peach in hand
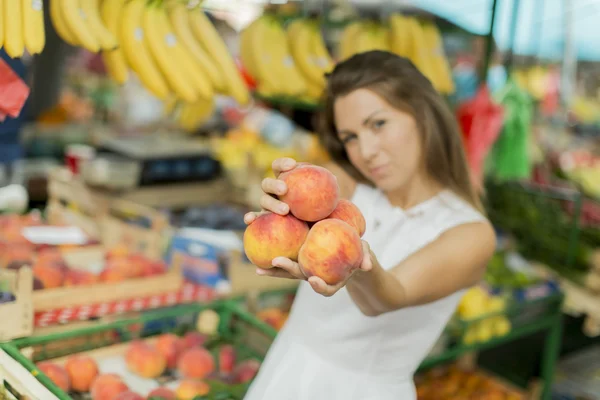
x=348 y=212
x=332 y=250
x=312 y=192
x=272 y=235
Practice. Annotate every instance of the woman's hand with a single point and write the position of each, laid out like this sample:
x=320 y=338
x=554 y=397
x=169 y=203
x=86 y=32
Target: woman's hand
x=273 y=187
x=286 y=268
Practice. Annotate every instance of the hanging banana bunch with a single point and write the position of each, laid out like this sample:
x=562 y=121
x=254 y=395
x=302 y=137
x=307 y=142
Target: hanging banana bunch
x=22 y=27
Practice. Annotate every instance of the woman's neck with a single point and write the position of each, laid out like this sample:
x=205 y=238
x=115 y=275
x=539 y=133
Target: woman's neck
x=416 y=192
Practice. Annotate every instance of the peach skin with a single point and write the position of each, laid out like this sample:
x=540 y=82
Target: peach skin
x=82 y=370
x=312 y=192
x=272 y=235
x=332 y=251
x=348 y=212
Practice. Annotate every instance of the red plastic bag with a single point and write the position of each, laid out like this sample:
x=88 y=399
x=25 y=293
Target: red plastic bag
x=13 y=91
x=480 y=120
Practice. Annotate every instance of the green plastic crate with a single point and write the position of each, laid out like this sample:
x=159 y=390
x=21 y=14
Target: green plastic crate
x=251 y=339
x=544 y=221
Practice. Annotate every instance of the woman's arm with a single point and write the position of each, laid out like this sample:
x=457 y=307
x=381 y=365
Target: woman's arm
x=456 y=260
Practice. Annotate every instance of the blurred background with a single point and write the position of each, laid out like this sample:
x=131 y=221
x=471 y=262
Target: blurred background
x=139 y=131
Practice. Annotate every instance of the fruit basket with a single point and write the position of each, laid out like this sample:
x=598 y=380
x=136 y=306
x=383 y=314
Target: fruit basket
x=271 y=307
x=164 y=348
x=485 y=314
x=459 y=382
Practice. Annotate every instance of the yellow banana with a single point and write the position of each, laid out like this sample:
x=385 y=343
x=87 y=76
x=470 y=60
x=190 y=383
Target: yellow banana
x=440 y=65
x=399 y=40
x=372 y=36
x=34 y=35
x=323 y=58
x=214 y=45
x=193 y=115
x=114 y=60
x=77 y=22
x=266 y=68
x=419 y=48
x=196 y=76
x=181 y=26
x=161 y=44
x=1 y=23
x=59 y=24
x=347 y=45
x=136 y=51
x=301 y=42
x=246 y=53
x=13 y=28
x=106 y=39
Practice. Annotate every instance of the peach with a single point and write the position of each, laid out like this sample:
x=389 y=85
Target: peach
x=332 y=250
x=112 y=274
x=226 y=359
x=57 y=374
x=154 y=268
x=144 y=360
x=170 y=346
x=107 y=387
x=246 y=371
x=49 y=275
x=189 y=389
x=129 y=395
x=313 y=192
x=350 y=214
x=162 y=394
x=272 y=235
x=196 y=363
x=193 y=339
x=76 y=277
x=82 y=371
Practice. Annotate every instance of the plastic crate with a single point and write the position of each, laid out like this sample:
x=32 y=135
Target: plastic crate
x=250 y=338
x=544 y=221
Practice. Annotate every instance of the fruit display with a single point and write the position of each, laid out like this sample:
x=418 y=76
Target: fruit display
x=51 y=269
x=454 y=382
x=418 y=40
x=22 y=27
x=499 y=274
x=316 y=216
x=165 y=359
x=475 y=305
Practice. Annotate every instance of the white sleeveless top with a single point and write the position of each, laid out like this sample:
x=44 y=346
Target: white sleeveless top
x=328 y=350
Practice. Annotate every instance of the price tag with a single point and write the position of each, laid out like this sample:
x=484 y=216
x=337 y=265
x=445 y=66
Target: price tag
x=55 y=235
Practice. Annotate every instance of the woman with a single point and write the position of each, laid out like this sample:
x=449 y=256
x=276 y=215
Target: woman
x=398 y=156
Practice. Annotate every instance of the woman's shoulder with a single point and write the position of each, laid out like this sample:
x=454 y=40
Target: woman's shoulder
x=454 y=210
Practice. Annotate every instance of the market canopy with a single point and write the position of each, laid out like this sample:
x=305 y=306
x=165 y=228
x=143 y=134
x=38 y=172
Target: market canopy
x=541 y=24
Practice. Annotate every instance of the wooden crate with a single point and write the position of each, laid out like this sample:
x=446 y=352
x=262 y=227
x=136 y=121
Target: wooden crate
x=17 y=317
x=16 y=379
x=106 y=218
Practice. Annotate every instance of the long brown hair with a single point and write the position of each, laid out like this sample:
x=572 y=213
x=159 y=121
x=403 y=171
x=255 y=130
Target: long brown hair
x=400 y=83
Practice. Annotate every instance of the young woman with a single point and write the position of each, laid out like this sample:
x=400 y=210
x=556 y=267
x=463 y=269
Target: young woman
x=398 y=156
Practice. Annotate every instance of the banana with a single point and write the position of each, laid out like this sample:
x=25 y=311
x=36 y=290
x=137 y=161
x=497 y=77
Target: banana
x=301 y=42
x=114 y=59
x=77 y=22
x=13 y=29
x=246 y=53
x=419 y=48
x=136 y=51
x=440 y=66
x=106 y=39
x=214 y=45
x=323 y=58
x=34 y=35
x=1 y=23
x=193 y=115
x=347 y=45
x=372 y=36
x=181 y=26
x=59 y=24
x=266 y=69
x=400 y=42
x=162 y=45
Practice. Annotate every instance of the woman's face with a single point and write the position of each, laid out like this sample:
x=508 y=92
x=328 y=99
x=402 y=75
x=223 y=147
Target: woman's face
x=382 y=142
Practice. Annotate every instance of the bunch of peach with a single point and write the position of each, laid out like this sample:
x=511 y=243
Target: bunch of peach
x=50 y=269
x=322 y=232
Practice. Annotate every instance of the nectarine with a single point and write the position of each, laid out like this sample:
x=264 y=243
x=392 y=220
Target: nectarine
x=332 y=250
x=348 y=212
x=313 y=192
x=57 y=374
x=196 y=363
x=82 y=371
x=107 y=387
x=272 y=235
